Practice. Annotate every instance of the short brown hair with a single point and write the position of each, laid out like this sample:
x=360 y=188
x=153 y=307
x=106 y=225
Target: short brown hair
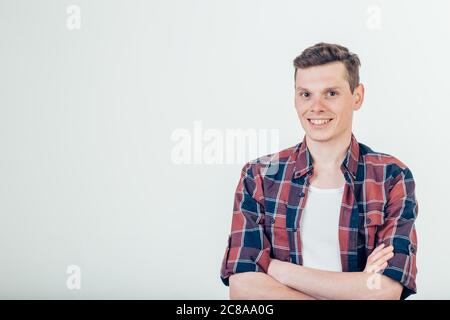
x=323 y=53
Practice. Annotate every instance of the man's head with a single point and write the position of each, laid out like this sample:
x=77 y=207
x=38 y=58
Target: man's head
x=327 y=88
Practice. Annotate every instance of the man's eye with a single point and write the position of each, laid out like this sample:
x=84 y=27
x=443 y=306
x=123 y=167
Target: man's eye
x=305 y=94
x=332 y=93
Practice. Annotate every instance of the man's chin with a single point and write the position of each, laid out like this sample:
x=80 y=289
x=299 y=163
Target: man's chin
x=319 y=137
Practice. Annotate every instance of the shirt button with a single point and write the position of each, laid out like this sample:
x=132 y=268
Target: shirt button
x=272 y=220
x=368 y=220
x=302 y=194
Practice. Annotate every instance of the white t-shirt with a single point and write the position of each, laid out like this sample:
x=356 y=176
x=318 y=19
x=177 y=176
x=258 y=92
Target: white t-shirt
x=319 y=229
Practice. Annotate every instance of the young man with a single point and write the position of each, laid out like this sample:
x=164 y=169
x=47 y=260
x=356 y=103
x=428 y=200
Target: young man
x=335 y=219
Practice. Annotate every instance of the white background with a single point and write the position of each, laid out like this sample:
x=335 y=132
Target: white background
x=86 y=119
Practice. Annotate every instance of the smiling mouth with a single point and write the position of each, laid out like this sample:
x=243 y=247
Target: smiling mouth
x=319 y=122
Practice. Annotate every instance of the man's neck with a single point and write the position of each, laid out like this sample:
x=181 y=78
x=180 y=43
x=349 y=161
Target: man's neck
x=329 y=155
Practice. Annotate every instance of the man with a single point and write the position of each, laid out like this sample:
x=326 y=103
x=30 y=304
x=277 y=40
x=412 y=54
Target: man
x=335 y=219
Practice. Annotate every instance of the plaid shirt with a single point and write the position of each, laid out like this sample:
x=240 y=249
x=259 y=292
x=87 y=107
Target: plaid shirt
x=378 y=206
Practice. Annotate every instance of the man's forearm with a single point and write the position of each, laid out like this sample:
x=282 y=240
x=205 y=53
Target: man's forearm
x=336 y=285
x=260 y=286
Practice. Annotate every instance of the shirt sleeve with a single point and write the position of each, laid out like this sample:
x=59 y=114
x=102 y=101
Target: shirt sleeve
x=399 y=231
x=248 y=247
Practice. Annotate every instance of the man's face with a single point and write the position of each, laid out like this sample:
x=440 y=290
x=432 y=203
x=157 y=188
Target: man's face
x=324 y=102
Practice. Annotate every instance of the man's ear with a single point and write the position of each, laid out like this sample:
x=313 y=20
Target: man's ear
x=358 y=95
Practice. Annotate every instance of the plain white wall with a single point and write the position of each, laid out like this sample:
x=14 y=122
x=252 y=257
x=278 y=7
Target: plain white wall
x=87 y=118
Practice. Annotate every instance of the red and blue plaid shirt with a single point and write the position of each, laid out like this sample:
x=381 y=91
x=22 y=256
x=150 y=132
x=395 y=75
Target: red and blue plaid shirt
x=378 y=206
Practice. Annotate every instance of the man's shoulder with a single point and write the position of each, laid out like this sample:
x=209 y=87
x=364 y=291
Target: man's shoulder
x=376 y=160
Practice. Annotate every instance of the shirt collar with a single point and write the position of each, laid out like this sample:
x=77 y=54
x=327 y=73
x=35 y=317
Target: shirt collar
x=304 y=162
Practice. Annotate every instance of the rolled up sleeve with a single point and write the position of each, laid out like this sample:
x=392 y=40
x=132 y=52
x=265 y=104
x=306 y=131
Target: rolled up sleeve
x=248 y=248
x=399 y=231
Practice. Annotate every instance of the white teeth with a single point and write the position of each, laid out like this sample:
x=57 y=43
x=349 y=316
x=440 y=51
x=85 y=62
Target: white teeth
x=319 y=122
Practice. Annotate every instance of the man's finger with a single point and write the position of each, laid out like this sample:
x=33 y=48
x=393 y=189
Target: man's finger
x=383 y=259
x=378 y=248
x=374 y=256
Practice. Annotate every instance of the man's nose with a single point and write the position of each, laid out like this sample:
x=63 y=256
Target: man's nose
x=317 y=105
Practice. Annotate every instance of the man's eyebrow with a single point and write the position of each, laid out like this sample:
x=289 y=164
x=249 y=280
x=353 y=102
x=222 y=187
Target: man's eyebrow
x=332 y=88
x=325 y=89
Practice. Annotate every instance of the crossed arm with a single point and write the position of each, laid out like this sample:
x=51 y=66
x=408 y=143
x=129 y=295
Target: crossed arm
x=285 y=280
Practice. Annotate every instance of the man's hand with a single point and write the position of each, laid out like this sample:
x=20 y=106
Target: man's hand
x=377 y=261
x=339 y=285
